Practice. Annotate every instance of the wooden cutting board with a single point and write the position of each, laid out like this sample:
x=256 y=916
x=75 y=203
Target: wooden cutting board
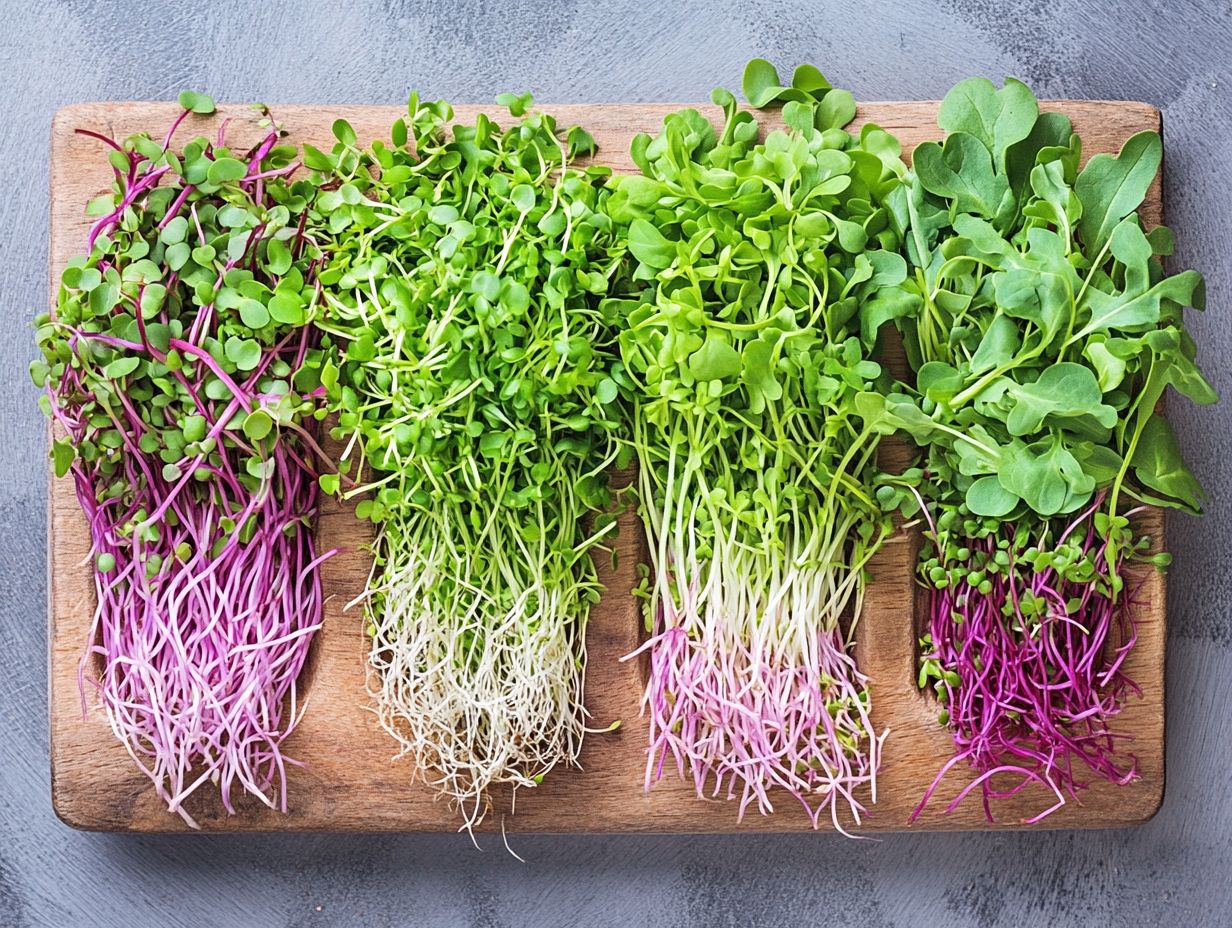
x=350 y=782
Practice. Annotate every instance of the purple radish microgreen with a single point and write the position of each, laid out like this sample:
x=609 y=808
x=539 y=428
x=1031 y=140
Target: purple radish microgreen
x=189 y=437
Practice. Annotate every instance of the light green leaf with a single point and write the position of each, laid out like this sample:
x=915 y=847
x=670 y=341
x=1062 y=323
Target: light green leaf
x=649 y=246
x=1109 y=367
x=343 y=132
x=1000 y=343
x=224 y=170
x=1113 y=186
x=62 y=455
x=254 y=314
x=244 y=352
x=986 y=497
x=121 y=367
x=258 y=424
x=961 y=170
x=278 y=257
x=286 y=308
x=715 y=360
x=997 y=118
x=1064 y=390
x=1048 y=478
x=196 y=102
x=1157 y=463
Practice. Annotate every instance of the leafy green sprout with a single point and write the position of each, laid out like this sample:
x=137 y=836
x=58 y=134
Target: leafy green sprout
x=750 y=261
x=478 y=397
x=184 y=424
x=1042 y=330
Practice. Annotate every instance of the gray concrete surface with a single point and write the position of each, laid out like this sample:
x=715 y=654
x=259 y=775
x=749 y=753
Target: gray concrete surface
x=1177 y=869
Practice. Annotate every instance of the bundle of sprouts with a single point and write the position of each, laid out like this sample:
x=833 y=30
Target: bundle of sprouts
x=756 y=467
x=181 y=366
x=478 y=401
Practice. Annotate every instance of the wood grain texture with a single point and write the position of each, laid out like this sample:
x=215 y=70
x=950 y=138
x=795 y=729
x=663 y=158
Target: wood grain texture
x=350 y=781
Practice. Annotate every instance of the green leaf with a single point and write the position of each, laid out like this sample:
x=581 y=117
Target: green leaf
x=836 y=109
x=518 y=104
x=62 y=455
x=443 y=214
x=286 y=308
x=196 y=102
x=998 y=347
x=317 y=160
x=224 y=170
x=606 y=390
x=807 y=78
x=278 y=257
x=996 y=118
x=758 y=375
x=121 y=367
x=174 y=231
x=1036 y=296
x=81 y=278
x=487 y=285
x=986 y=497
x=1128 y=312
x=104 y=297
x=1064 y=390
x=343 y=132
x=581 y=143
x=258 y=424
x=892 y=413
x=254 y=314
x=101 y=205
x=490 y=445
x=328 y=483
x=886 y=306
x=194 y=428
x=1158 y=465
x=649 y=246
x=939 y=381
x=515 y=297
x=715 y=360
x=1189 y=380
x=961 y=170
x=761 y=83
x=1113 y=186
x=215 y=389
x=1051 y=131
x=979 y=453
x=152 y=298
x=40 y=371
x=363 y=348
x=329 y=375
x=1109 y=368
x=1100 y=462
x=178 y=255
x=260 y=469
x=762 y=88
x=1047 y=477
x=244 y=352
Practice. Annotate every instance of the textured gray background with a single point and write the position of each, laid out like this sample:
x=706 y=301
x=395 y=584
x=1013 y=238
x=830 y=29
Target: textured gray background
x=1177 y=55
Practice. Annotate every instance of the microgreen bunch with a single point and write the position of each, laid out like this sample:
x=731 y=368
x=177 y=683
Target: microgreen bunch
x=181 y=367
x=479 y=398
x=752 y=258
x=1042 y=330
